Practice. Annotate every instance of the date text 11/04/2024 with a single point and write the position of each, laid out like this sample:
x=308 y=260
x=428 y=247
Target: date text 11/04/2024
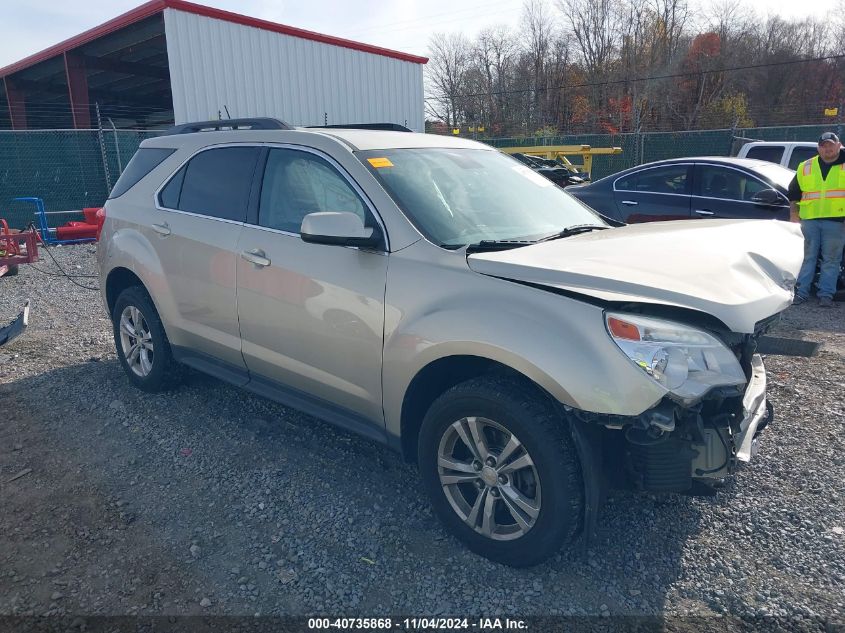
x=418 y=624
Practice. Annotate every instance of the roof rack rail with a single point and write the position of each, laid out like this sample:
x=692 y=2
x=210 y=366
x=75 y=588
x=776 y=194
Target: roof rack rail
x=386 y=127
x=228 y=124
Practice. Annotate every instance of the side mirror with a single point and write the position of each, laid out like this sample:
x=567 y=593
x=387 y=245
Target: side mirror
x=337 y=228
x=768 y=198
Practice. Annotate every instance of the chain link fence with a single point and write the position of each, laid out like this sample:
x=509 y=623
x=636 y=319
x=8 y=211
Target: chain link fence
x=74 y=169
x=68 y=169
x=651 y=146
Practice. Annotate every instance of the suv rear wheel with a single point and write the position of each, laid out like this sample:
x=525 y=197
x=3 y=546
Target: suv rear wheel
x=501 y=470
x=141 y=343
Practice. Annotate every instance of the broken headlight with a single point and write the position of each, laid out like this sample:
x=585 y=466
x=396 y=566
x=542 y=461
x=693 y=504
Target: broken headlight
x=687 y=361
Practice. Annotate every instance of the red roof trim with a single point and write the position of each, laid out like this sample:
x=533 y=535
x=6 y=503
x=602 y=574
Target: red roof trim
x=157 y=6
x=135 y=15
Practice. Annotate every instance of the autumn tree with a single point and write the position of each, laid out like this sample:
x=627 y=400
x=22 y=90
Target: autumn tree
x=637 y=65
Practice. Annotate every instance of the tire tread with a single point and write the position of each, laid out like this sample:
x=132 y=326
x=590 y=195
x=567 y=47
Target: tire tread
x=534 y=405
x=167 y=373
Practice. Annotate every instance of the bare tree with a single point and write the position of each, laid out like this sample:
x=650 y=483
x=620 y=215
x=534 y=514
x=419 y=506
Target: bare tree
x=670 y=18
x=594 y=29
x=449 y=61
x=495 y=50
x=595 y=33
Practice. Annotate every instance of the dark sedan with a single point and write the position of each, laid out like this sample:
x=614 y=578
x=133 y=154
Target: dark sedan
x=685 y=188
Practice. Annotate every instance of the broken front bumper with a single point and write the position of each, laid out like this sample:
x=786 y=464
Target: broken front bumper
x=757 y=413
x=16 y=327
x=706 y=442
x=724 y=447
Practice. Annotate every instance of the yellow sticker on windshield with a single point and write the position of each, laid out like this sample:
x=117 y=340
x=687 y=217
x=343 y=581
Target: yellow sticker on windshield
x=380 y=162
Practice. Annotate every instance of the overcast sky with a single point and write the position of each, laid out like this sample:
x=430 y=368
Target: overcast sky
x=405 y=25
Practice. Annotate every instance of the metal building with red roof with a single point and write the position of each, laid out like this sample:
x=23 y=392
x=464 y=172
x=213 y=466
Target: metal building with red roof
x=172 y=61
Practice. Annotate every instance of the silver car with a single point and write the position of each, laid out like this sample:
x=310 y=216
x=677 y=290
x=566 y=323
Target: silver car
x=436 y=295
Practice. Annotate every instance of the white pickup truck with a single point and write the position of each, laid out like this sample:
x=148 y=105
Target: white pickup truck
x=787 y=153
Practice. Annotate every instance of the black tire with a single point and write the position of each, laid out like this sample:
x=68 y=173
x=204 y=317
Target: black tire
x=12 y=271
x=527 y=414
x=165 y=373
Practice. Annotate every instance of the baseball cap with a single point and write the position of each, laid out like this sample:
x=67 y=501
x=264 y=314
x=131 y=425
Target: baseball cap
x=828 y=136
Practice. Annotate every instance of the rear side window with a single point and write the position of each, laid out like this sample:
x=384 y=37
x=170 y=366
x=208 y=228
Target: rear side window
x=217 y=182
x=800 y=154
x=669 y=179
x=771 y=153
x=169 y=196
x=143 y=162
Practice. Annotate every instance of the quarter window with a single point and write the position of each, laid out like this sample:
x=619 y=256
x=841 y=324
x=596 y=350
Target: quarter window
x=215 y=182
x=169 y=196
x=143 y=162
x=671 y=179
x=298 y=183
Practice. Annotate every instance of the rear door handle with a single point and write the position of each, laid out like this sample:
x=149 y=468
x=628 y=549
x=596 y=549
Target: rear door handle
x=256 y=256
x=704 y=212
x=162 y=229
x=630 y=203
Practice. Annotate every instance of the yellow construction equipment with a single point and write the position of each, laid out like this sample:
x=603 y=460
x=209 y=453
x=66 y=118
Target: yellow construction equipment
x=561 y=152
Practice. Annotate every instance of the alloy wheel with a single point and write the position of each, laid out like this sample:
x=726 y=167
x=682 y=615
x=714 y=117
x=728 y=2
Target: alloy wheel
x=136 y=341
x=489 y=478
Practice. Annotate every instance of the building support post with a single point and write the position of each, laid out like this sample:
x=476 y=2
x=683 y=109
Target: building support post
x=17 y=104
x=77 y=85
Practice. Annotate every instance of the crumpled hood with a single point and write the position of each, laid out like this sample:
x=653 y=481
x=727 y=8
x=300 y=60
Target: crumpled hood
x=739 y=271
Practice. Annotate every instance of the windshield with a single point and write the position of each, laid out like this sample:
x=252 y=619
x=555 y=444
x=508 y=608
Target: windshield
x=463 y=196
x=776 y=173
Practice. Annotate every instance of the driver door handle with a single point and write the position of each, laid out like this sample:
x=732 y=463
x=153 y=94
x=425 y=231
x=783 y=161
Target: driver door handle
x=162 y=229
x=630 y=203
x=256 y=256
x=705 y=212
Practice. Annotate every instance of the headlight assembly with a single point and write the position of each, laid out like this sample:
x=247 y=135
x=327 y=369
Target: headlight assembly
x=686 y=361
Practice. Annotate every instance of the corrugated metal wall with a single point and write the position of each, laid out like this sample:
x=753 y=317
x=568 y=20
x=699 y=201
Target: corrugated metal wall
x=255 y=72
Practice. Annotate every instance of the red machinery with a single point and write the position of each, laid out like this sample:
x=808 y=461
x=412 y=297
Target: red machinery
x=89 y=229
x=16 y=247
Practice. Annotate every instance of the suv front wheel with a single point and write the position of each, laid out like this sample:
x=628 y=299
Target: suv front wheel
x=141 y=344
x=501 y=470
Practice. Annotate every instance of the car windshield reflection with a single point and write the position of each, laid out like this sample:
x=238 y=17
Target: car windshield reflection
x=465 y=196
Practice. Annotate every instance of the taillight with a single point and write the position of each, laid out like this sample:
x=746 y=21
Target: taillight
x=101 y=218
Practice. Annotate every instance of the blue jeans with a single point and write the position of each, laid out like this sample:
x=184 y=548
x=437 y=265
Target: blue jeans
x=828 y=238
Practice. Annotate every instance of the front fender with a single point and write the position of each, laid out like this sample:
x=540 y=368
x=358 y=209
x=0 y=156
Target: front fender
x=558 y=342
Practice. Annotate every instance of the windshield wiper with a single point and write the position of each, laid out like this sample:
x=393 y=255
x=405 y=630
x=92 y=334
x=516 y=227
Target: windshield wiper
x=572 y=230
x=501 y=245
x=497 y=245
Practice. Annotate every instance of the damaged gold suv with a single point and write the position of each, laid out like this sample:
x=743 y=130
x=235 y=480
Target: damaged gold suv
x=436 y=295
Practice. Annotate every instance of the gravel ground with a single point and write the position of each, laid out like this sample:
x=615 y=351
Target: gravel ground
x=211 y=500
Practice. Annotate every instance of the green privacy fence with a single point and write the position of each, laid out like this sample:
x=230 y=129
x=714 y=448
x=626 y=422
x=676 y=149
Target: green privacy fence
x=650 y=146
x=68 y=169
x=73 y=169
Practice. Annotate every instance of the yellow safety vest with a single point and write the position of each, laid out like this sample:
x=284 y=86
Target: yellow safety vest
x=821 y=198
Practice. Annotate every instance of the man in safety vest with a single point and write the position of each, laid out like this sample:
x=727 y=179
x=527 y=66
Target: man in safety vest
x=817 y=200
